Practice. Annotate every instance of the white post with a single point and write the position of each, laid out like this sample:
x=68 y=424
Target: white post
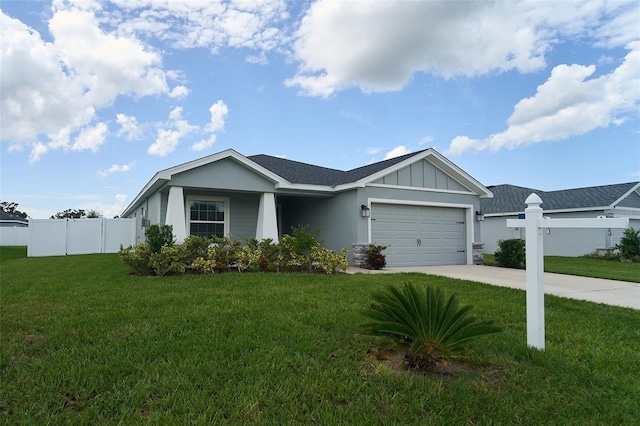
x=535 y=271
x=175 y=213
x=534 y=224
x=267 y=226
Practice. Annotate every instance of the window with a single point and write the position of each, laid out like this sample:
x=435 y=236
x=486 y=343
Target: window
x=208 y=217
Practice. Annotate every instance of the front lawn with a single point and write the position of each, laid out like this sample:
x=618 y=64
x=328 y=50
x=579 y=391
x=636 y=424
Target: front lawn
x=83 y=342
x=586 y=267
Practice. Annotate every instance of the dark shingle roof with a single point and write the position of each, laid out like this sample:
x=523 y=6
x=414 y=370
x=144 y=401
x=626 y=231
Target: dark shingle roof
x=510 y=198
x=297 y=172
x=10 y=217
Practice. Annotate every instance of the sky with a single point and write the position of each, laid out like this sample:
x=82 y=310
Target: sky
x=97 y=96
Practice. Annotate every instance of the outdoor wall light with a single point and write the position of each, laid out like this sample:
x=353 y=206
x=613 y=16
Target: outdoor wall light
x=479 y=216
x=365 y=211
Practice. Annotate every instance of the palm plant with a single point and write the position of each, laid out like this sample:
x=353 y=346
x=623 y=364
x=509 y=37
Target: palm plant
x=433 y=327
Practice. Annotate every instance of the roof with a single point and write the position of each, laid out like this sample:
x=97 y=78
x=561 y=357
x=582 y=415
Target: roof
x=510 y=198
x=297 y=172
x=10 y=217
x=296 y=176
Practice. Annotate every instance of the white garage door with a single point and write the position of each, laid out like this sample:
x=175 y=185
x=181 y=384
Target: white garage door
x=418 y=235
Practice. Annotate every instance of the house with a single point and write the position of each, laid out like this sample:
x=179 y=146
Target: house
x=14 y=230
x=421 y=205
x=619 y=200
x=12 y=220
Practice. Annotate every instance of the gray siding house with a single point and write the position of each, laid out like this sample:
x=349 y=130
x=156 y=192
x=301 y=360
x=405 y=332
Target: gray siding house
x=421 y=205
x=12 y=220
x=619 y=200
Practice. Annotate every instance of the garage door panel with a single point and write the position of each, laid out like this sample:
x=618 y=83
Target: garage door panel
x=419 y=235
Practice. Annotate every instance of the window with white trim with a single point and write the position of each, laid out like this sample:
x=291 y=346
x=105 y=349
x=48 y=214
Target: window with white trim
x=208 y=216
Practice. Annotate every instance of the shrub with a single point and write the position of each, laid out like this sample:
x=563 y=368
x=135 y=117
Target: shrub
x=195 y=247
x=137 y=258
x=375 y=258
x=224 y=251
x=433 y=327
x=511 y=253
x=250 y=259
x=296 y=249
x=170 y=260
x=330 y=261
x=629 y=245
x=158 y=236
x=202 y=265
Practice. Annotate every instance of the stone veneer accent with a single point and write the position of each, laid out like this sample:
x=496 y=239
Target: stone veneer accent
x=360 y=254
x=477 y=253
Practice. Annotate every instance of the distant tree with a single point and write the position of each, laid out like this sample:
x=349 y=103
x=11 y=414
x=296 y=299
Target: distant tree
x=93 y=214
x=12 y=208
x=70 y=214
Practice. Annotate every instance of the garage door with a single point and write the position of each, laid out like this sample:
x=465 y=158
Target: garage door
x=418 y=235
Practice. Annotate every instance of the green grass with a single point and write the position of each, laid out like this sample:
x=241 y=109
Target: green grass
x=12 y=252
x=83 y=342
x=586 y=267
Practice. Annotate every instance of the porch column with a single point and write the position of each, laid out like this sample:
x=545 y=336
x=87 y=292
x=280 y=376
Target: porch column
x=175 y=213
x=267 y=223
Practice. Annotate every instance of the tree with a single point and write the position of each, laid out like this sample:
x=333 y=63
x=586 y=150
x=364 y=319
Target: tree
x=12 y=208
x=94 y=214
x=70 y=214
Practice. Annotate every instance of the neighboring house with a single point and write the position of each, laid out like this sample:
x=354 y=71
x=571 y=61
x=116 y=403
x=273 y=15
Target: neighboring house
x=14 y=230
x=620 y=200
x=11 y=220
x=421 y=205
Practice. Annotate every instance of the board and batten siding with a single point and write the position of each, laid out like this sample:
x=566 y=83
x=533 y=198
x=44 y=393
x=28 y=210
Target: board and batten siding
x=422 y=174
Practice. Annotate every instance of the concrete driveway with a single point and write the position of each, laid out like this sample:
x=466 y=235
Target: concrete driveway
x=610 y=292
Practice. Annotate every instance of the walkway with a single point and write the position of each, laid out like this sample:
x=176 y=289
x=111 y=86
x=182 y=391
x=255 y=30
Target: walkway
x=610 y=292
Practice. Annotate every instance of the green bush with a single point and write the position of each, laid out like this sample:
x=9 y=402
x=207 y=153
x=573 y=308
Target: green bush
x=629 y=245
x=170 y=260
x=137 y=258
x=158 y=236
x=511 y=253
x=195 y=247
x=329 y=261
x=299 y=251
x=432 y=327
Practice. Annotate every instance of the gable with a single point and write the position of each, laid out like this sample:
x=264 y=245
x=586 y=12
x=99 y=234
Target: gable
x=224 y=174
x=421 y=174
x=631 y=200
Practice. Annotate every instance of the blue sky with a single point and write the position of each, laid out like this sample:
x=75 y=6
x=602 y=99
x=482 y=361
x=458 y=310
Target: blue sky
x=96 y=97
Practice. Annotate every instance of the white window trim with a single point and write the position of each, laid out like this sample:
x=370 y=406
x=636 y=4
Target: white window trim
x=227 y=209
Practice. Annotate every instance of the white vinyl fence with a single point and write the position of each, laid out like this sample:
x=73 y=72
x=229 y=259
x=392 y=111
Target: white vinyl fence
x=59 y=237
x=14 y=235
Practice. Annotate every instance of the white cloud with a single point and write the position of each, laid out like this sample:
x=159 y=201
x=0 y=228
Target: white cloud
x=38 y=150
x=397 y=152
x=179 y=92
x=115 y=168
x=50 y=91
x=425 y=140
x=116 y=208
x=260 y=59
x=219 y=112
x=372 y=150
x=128 y=126
x=204 y=143
x=379 y=46
x=568 y=104
x=206 y=24
x=90 y=138
x=168 y=139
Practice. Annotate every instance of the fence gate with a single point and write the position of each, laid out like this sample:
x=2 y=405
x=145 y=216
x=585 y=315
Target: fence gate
x=59 y=237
